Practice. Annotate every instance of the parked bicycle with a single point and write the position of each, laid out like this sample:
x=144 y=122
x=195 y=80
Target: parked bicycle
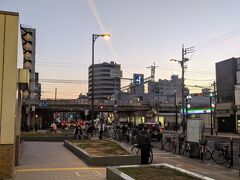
x=185 y=147
x=221 y=154
x=205 y=152
x=170 y=144
x=136 y=150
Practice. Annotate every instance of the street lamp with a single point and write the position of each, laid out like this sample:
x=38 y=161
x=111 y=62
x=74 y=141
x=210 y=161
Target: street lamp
x=94 y=38
x=188 y=105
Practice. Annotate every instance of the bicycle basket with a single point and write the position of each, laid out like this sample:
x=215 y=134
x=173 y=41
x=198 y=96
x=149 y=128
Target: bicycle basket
x=203 y=142
x=168 y=139
x=181 y=139
x=218 y=145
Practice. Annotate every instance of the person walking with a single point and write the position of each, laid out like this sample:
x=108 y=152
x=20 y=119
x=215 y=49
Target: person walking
x=76 y=132
x=144 y=143
x=101 y=129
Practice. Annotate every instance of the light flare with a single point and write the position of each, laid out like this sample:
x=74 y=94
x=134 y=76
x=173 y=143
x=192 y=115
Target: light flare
x=99 y=21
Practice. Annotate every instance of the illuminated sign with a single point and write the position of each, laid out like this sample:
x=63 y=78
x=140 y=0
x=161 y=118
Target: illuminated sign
x=197 y=111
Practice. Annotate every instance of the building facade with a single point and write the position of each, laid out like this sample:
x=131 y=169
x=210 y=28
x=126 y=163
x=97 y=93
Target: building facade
x=28 y=35
x=165 y=91
x=106 y=80
x=226 y=81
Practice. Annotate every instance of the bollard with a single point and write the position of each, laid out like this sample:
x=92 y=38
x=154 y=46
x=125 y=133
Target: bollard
x=231 y=145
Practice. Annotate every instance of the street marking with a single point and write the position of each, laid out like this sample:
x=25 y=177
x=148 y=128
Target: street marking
x=161 y=153
x=59 y=169
x=77 y=173
x=98 y=172
x=171 y=157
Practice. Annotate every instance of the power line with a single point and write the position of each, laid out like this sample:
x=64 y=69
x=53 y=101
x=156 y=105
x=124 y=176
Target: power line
x=63 y=81
x=200 y=79
x=218 y=39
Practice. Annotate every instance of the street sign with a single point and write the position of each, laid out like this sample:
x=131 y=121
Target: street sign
x=138 y=79
x=43 y=104
x=86 y=112
x=115 y=73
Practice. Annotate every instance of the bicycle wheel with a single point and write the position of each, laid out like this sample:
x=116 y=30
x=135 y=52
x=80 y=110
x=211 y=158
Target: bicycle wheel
x=150 y=159
x=228 y=163
x=207 y=155
x=168 y=146
x=185 y=150
x=135 y=149
x=218 y=156
x=161 y=144
x=228 y=160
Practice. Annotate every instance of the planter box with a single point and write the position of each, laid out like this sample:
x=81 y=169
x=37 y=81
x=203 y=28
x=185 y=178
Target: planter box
x=113 y=173
x=47 y=139
x=117 y=160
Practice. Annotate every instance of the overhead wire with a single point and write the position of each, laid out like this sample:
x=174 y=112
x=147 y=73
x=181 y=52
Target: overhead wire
x=218 y=39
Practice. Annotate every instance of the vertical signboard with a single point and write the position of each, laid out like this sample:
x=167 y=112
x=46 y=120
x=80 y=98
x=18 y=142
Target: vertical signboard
x=194 y=130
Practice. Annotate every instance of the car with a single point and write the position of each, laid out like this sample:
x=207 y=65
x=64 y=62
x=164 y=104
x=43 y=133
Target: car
x=154 y=130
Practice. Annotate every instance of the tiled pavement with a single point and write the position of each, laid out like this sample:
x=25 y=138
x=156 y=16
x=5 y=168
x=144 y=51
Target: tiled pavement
x=50 y=161
x=195 y=165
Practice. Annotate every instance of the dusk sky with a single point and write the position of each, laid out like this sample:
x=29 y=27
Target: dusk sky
x=142 y=32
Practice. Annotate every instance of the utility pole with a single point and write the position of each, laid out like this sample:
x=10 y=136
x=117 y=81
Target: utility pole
x=184 y=60
x=55 y=94
x=153 y=68
x=182 y=63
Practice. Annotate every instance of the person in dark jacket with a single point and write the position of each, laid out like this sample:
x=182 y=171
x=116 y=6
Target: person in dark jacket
x=144 y=142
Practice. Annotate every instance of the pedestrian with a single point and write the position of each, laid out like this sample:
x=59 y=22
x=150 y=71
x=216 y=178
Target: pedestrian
x=54 y=127
x=101 y=129
x=124 y=130
x=76 y=132
x=144 y=142
x=79 y=135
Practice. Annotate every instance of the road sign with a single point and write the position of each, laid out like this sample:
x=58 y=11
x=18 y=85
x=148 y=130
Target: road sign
x=43 y=104
x=86 y=112
x=138 y=79
x=115 y=73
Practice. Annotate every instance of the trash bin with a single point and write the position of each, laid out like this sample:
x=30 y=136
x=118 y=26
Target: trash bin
x=194 y=150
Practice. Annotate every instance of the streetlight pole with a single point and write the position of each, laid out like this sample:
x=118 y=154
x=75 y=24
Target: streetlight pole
x=210 y=95
x=94 y=38
x=176 y=108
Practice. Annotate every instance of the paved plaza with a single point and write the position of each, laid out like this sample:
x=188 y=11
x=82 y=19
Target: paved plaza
x=51 y=160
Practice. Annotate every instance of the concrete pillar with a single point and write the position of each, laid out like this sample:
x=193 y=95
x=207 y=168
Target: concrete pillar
x=8 y=91
x=18 y=127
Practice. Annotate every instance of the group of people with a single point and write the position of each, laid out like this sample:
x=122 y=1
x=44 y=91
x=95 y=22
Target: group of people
x=83 y=130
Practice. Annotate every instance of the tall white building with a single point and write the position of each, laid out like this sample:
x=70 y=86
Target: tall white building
x=106 y=80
